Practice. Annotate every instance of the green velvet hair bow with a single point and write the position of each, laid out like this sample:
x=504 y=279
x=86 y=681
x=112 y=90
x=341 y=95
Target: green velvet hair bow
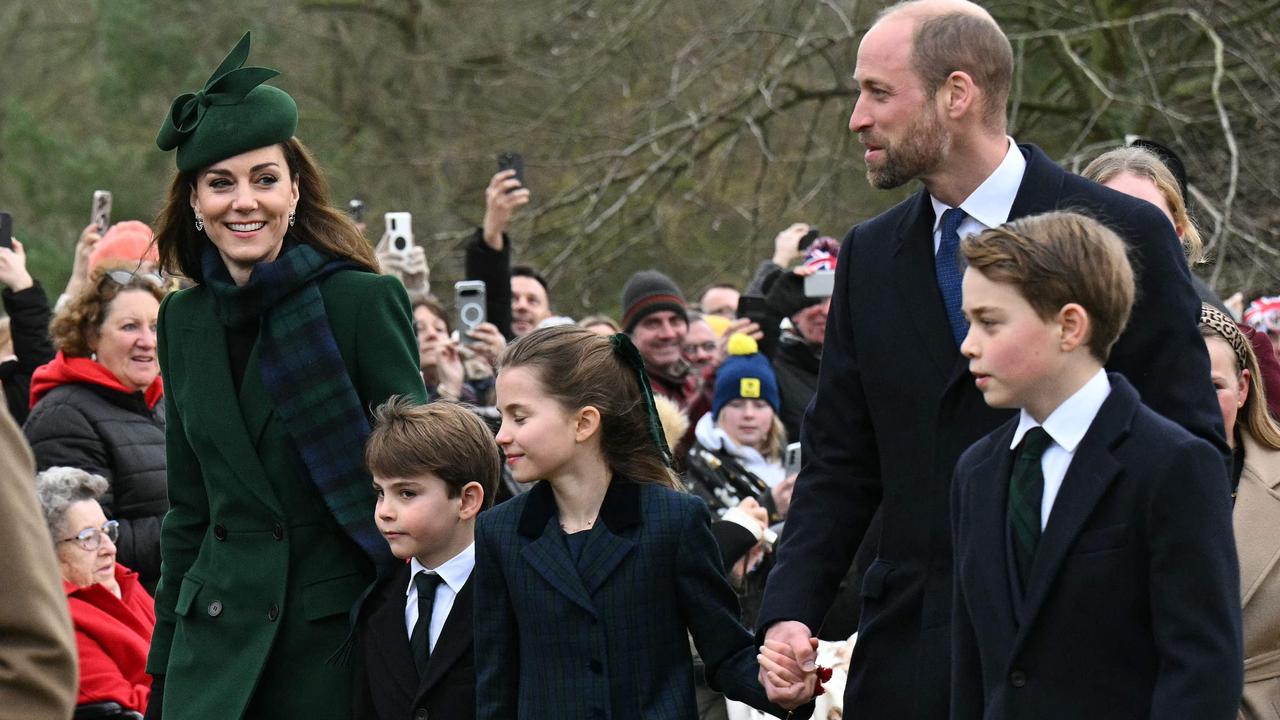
x=631 y=356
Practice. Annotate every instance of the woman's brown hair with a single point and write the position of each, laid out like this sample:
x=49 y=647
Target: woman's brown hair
x=578 y=368
x=85 y=312
x=319 y=225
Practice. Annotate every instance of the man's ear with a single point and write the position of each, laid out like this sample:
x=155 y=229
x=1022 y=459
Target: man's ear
x=472 y=495
x=1075 y=325
x=587 y=423
x=958 y=95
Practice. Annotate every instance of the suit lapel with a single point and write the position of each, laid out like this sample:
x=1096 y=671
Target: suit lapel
x=203 y=348
x=1256 y=517
x=454 y=640
x=389 y=637
x=1092 y=470
x=989 y=523
x=917 y=284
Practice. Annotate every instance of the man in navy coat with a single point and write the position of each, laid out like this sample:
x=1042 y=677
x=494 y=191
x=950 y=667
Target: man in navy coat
x=895 y=407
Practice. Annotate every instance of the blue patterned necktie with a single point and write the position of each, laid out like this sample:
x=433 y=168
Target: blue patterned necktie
x=950 y=274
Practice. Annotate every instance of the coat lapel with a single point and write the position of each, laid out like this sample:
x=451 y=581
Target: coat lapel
x=1257 y=516
x=547 y=553
x=454 y=640
x=389 y=637
x=917 y=285
x=1092 y=470
x=1041 y=184
x=608 y=546
x=989 y=523
x=204 y=343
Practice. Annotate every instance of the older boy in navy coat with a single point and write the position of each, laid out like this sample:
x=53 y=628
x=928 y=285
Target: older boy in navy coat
x=1095 y=570
x=434 y=467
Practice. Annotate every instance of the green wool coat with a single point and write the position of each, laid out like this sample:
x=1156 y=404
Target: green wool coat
x=257 y=577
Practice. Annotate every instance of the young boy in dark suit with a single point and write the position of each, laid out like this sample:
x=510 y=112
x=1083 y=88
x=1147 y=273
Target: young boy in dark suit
x=1095 y=571
x=434 y=468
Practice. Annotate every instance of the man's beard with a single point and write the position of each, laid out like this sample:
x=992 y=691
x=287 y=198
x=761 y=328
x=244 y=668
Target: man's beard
x=922 y=148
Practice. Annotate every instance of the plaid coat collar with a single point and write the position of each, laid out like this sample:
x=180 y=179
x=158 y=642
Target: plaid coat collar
x=609 y=545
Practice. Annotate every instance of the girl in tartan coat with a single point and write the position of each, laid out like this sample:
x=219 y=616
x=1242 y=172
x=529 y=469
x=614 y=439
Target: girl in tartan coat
x=589 y=585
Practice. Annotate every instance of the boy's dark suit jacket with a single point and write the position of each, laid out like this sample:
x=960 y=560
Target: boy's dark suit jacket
x=896 y=406
x=606 y=637
x=388 y=687
x=1132 y=607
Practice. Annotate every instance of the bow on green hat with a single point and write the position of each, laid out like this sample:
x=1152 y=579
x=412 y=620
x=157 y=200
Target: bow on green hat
x=234 y=113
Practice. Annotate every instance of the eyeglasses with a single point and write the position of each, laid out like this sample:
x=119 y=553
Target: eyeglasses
x=91 y=538
x=708 y=346
x=124 y=278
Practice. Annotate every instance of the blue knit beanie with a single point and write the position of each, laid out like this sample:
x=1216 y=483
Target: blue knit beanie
x=745 y=374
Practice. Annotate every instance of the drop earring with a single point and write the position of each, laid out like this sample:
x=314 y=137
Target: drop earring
x=199 y=224
x=293 y=217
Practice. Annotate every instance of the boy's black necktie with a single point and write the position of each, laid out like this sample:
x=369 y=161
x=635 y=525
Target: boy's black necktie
x=1026 y=489
x=420 y=638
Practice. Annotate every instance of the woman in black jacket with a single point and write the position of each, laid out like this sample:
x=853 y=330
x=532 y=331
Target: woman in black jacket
x=97 y=407
x=28 y=309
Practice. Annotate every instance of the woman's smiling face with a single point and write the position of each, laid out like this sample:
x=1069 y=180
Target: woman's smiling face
x=245 y=202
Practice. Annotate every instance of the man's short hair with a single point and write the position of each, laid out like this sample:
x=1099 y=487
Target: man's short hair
x=442 y=438
x=1059 y=258
x=526 y=271
x=970 y=42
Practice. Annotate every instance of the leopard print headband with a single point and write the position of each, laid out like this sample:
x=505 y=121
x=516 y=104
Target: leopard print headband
x=1218 y=321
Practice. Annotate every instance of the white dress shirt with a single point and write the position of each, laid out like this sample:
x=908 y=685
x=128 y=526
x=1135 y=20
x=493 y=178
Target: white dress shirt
x=454 y=573
x=1066 y=426
x=988 y=206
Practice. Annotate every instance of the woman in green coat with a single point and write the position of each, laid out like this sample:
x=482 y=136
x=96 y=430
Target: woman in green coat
x=272 y=363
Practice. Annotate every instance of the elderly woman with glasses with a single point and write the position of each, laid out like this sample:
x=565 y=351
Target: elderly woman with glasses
x=113 y=616
x=97 y=406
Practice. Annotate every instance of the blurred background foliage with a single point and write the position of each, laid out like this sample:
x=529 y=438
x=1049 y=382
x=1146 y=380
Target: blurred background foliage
x=677 y=135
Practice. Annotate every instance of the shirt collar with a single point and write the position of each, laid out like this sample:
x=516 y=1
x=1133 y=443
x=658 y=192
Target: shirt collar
x=1067 y=424
x=991 y=202
x=454 y=571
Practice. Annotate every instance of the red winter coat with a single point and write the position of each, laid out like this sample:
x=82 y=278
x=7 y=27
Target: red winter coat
x=113 y=636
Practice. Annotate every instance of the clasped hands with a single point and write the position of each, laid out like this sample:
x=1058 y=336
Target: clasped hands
x=789 y=664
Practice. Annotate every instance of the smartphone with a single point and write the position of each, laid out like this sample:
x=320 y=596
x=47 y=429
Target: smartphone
x=356 y=209
x=820 y=284
x=469 y=299
x=6 y=230
x=807 y=239
x=791 y=459
x=756 y=309
x=399 y=232
x=512 y=161
x=101 y=213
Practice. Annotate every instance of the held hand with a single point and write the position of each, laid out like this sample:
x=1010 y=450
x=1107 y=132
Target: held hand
x=450 y=372
x=755 y=511
x=501 y=199
x=13 y=268
x=89 y=238
x=786 y=245
x=786 y=680
x=488 y=342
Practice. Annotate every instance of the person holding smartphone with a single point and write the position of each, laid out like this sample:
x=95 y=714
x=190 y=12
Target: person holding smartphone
x=28 y=346
x=271 y=364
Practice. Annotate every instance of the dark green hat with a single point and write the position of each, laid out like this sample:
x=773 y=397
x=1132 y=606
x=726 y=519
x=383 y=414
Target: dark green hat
x=234 y=113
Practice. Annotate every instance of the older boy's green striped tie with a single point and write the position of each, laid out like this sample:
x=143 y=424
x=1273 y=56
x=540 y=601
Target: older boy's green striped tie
x=1026 y=488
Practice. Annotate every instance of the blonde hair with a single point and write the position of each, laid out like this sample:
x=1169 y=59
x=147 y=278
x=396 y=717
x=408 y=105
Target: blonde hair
x=1253 y=417
x=1146 y=165
x=1059 y=258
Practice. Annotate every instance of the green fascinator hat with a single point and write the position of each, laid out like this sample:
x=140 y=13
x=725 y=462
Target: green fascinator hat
x=234 y=113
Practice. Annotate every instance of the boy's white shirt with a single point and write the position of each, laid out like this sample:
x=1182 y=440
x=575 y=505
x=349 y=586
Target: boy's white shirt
x=454 y=572
x=1066 y=426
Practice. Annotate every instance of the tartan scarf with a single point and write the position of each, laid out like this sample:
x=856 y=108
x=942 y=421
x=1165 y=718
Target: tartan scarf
x=306 y=377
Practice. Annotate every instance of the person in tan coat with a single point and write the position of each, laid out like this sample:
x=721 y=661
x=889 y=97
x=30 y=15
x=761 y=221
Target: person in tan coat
x=37 y=647
x=1255 y=440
